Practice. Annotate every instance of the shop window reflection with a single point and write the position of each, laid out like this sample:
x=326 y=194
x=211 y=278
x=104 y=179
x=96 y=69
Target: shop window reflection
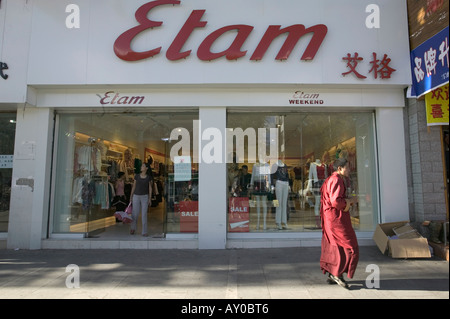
x=286 y=198
x=97 y=158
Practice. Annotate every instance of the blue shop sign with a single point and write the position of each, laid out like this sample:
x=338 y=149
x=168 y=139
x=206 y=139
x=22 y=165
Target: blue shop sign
x=429 y=64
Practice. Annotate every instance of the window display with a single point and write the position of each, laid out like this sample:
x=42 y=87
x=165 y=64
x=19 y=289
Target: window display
x=284 y=195
x=97 y=159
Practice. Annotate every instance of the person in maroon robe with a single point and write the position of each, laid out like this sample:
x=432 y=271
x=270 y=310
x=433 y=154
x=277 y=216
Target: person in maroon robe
x=340 y=251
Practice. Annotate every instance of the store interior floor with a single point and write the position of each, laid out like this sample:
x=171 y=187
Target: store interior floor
x=155 y=224
x=299 y=220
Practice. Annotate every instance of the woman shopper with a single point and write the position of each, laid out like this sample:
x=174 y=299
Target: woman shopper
x=141 y=194
x=340 y=251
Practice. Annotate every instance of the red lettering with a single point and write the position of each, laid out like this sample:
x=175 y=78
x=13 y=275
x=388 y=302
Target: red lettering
x=173 y=53
x=233 y=52
x=103 y=100
x=122 y=46
x=295 y=33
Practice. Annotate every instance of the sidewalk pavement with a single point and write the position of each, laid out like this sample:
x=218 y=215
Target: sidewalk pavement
x=283 y=273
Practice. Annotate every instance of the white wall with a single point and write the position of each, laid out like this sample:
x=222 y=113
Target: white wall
x=30 y=187
x=212 y=221
x=15 y=30
x=392 y=165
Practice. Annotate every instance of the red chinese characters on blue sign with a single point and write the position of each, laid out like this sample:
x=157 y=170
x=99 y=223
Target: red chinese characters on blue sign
x=429 y=64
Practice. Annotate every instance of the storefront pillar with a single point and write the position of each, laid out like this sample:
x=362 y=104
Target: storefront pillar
x=212 y=227
x=392 y=165
x=30 y=178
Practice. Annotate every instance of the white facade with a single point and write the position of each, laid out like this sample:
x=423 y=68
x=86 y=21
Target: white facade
x=56 y=68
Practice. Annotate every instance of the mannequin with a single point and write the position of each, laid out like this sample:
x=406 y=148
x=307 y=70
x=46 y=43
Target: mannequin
x=281 y=190
x=260 y=182
x=317 y=175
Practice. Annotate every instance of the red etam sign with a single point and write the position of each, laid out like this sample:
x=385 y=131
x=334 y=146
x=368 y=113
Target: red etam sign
x=122 y=46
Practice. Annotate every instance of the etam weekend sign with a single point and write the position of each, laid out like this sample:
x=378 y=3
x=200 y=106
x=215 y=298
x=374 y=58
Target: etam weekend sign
x=123 y=50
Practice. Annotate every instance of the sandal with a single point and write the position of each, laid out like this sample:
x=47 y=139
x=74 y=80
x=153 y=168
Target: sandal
x=339 y=280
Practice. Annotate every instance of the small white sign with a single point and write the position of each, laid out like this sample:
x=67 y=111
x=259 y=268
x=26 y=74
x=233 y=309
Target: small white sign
x=182 y=168
x=6 y=161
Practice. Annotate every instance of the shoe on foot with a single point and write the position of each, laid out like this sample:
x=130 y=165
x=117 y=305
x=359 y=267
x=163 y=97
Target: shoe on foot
x=339 y=280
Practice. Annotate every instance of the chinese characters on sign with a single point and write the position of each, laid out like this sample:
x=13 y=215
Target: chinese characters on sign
x=429 y=64
x=380 y=68
x=6 y=161
x=3 y=66
x=437 y=106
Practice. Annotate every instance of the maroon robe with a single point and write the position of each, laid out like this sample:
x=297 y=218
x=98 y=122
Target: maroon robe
x=340 y=251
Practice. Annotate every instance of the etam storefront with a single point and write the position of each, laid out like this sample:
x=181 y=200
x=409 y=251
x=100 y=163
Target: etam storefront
x=238 y=107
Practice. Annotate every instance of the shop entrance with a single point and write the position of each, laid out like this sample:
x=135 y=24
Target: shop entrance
x=97 y=159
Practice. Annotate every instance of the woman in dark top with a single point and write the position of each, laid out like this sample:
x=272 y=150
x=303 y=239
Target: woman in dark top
x=141 y=195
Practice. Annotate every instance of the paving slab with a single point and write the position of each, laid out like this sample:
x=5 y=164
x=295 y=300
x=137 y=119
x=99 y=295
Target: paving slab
x=275 y=273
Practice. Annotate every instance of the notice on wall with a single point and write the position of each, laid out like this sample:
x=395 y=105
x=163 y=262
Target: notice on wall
x=26 y=151
x=6 y=161
x=182 y=168
x=436 y=103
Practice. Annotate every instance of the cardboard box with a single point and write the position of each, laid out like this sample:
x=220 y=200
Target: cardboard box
x=400 y=240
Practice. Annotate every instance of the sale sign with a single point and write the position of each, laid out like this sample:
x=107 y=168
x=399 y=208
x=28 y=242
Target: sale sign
x=238 y=216
x=188 y=216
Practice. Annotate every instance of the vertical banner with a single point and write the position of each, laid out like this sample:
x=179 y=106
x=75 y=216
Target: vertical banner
x=238 y=216
x=188 y=216
x=437 y=106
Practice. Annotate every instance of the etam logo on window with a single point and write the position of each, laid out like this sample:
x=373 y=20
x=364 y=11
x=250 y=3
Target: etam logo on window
x=122 y=46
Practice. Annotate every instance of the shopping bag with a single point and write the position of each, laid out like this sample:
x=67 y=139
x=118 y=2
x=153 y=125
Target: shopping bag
x=118 y=215
x=123 y=217
x=238 y=215
x=129 y=209
x=127 y=219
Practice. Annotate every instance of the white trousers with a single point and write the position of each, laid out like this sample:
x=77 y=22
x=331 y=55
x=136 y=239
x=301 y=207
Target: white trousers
x=282 y=191
x=140 y=205
x=261 y=201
